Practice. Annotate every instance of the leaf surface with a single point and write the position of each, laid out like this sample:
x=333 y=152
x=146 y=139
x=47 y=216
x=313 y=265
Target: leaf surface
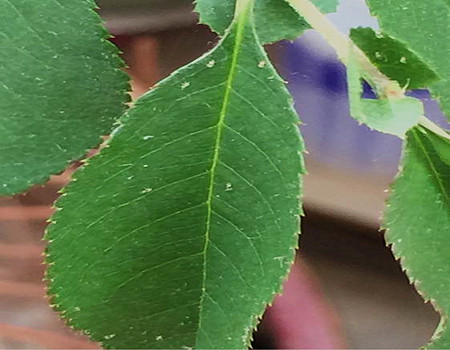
x=424 y=26
x=61 y=88
x=181 y=230
x=393 y=58
x=392 y=115
x=418 y=221
x=274 y=19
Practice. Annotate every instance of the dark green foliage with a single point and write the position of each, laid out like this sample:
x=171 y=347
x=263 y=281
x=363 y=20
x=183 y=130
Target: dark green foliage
x=394 y=59
x=274 y=19
x=182 y=230
x=424 y=27
x=61 y=88
x=418 y=221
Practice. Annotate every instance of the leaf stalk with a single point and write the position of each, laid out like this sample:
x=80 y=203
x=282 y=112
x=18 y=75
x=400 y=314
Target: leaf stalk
x=242 y=6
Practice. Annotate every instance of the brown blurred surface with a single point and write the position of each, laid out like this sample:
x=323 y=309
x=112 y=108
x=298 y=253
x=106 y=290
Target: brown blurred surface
x=26 y=319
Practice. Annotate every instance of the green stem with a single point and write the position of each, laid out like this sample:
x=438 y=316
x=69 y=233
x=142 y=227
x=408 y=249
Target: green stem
x=242 y=6
x=342 y=44
x=427 y=123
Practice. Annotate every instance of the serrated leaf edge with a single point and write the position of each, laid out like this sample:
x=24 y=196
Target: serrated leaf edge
x=391 y=244
x=65 y=191
x=119 y=67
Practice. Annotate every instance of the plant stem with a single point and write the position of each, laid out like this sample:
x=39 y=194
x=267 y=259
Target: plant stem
x=242 y=6
x=343 y=44
x=427 y=123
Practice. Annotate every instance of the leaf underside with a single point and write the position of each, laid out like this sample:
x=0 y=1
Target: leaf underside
x=274 y=19
x=389 y=115
x=394 y=59
x=182 y=229
x=418 y=221
x=424 y=27
x=61 y=88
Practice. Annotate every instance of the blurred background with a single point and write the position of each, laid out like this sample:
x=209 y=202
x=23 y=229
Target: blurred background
x=346 y=289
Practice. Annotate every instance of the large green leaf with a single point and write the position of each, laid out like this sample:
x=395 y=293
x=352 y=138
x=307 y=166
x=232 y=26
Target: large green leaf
x=182 y=229
x=393 y=58
x=424 y=26
x=392 y=115
x=61 y=87
x=274 y=19
x=418 y=221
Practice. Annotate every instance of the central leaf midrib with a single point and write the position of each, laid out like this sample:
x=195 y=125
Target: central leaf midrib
x=240 y=26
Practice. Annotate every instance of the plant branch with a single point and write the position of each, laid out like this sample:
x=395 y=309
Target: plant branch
x=427 y=123
x=343 y=44
x=242 y=6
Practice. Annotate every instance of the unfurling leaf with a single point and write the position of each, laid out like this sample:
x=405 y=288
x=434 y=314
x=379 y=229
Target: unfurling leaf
x=180 y=232
x=274 y=19
x=392 y=115
x=61 y=88
x=418 y=222
x=424 y=27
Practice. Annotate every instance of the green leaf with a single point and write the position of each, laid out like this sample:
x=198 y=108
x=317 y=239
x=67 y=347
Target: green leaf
x=418 y=221
x=393 y=58
x=182 y=229
x=61 y=88
x=217 y=14
x=423 y=27
x=392 y=115
x=274 y=19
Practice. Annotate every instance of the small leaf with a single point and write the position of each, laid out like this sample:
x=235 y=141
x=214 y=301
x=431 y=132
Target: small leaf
x=423 y=27
x=392 y=115
x=418 y=222
x=61 y=88
x=274 y=19
x=393 y=58
x=217 y=14
x=181 y=230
